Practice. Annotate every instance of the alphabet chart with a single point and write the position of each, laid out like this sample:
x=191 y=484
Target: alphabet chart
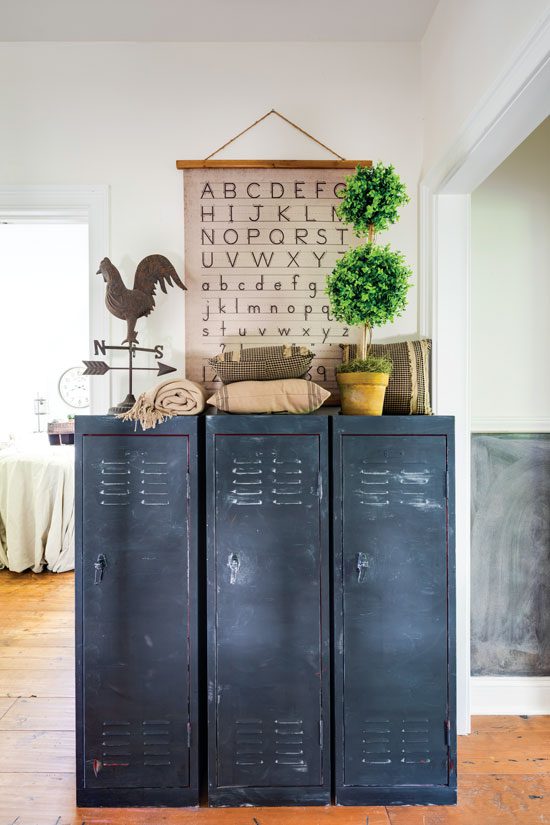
x=259 y=244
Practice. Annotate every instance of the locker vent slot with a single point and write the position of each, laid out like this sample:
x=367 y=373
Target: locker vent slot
x=415 y=489
x=376 y=742
x=123 y=744
x=133 y=476
x=117 y=745
x=378 y=486
x=412 y=741
x=247 y=482
x=286 y=478
x=249 y=743
x=154 y=485
x=289 y=744
x=114 y=483
x=156 y=742
x=414 y=477
x=373 y=487
x=267 y=478
x=115 y=468
x=415 y=742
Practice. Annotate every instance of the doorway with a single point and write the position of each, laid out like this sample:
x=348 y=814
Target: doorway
x=45 y=328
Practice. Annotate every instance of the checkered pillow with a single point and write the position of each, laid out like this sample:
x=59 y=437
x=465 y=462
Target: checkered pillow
x=408 y=391
x=262 y=363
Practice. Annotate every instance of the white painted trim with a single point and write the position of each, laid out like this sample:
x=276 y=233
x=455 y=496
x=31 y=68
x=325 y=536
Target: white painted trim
x=516 y=103
x=510 y=695
x=425 y=281
x=54 y=204
x=510 y=424
x=507 y=113
x=450 y=369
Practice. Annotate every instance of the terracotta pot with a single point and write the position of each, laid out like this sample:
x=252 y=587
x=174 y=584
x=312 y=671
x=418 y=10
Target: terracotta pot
x=362 y=393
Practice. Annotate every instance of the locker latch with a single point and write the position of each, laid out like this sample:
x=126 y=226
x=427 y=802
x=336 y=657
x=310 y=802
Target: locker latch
x=362 y=565
x=233 y=563
x=99 y=566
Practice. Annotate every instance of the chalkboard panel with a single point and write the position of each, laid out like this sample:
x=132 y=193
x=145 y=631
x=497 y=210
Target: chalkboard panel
x=511 y=555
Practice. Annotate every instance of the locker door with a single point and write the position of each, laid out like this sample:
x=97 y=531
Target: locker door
x=394 y=580
x=135 y=611
x=268 y=611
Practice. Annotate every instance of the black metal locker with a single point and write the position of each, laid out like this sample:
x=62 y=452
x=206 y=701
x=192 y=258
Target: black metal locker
x=268 y=610
x=136 y=613
x=394 y=611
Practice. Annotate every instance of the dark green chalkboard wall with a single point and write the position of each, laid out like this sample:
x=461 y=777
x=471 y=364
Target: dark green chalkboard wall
x=511 y=555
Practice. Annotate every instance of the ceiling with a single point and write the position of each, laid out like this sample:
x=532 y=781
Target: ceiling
x=214 y=20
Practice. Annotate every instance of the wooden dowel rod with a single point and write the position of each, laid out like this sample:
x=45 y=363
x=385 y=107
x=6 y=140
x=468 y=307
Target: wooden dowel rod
x=271 y=164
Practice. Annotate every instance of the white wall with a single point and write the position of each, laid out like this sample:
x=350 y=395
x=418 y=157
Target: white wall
x=121 y=114
x=467 y=45
x=510 y=291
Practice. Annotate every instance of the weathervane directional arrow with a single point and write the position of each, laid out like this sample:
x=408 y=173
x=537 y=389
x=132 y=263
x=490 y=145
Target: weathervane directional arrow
x=95 y=367
x=100 y=368
x=163 y=369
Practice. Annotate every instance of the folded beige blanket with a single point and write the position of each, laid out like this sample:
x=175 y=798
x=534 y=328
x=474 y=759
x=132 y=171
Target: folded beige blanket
x=177 y=396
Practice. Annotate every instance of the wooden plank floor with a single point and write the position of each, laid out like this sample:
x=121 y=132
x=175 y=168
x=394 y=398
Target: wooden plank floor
x=504 y=766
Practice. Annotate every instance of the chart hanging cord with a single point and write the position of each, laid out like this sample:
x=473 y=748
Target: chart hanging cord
x=290 y=122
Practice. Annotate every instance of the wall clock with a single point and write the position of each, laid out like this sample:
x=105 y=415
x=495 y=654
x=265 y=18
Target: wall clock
x=74 y=388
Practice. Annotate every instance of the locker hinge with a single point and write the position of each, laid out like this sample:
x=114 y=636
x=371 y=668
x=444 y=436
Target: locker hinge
x=187 y=485
x=321 y=735
x=450 y=761
x=447 y=484
x=188 y=735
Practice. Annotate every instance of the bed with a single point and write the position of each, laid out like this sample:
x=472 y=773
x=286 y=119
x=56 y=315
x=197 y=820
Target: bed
x=37 y=507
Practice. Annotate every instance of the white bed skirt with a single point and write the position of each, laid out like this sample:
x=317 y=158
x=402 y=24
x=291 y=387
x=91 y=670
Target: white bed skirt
x=37 y=508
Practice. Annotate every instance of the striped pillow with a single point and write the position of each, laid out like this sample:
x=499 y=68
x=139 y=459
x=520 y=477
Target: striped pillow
x=290 y=395
x=408 y=391
x=262 y=363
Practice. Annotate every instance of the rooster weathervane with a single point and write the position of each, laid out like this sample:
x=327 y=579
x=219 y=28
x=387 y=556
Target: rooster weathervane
x=129 y=305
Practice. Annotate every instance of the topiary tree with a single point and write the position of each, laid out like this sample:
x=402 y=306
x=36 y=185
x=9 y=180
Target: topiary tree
x=369 y=283
x=371 y=199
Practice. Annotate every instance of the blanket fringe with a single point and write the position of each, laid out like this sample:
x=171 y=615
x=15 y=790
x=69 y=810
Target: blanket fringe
x=146 y=413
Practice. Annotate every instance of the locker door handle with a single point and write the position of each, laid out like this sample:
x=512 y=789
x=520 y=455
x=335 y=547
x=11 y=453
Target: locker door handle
x=362 y=566
x=99 y=566
x=233 y=563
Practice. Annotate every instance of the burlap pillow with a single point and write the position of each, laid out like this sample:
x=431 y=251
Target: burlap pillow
x=408 y=391
x=291 y=395
x=262 y=363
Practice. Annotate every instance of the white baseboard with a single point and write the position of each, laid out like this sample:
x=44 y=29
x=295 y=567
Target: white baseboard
x=510 y=695
x=510 y=424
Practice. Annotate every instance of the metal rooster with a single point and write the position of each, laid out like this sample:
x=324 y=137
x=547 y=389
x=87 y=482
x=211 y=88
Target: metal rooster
x=131 y=304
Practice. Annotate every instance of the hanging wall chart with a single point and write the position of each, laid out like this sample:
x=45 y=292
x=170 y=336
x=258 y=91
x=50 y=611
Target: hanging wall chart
x=260 y=238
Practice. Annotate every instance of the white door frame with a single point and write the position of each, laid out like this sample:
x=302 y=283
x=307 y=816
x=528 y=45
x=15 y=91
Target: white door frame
x=512 y=108
x=59 y=204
